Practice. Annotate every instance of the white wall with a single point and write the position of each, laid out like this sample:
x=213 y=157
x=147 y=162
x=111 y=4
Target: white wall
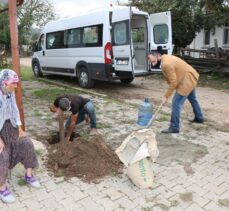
x=198 y=42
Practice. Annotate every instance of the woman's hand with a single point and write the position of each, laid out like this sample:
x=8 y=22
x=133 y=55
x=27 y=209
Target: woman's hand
x=2 y=145
x=21 y=132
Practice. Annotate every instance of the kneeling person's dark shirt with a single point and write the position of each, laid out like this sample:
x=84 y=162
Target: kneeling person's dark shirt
x=77 y=102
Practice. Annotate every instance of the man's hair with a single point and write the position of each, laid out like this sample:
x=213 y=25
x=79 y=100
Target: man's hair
x=154 y=53
x=64 y=104
x=157 y=52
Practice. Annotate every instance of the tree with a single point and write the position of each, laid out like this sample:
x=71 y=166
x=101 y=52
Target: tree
x=188 y=16
x=4 y=29
x=214 y=13
x=33 y=13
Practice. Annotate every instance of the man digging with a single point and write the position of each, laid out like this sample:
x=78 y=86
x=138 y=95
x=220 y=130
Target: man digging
x=181 y=78
x=81 y=109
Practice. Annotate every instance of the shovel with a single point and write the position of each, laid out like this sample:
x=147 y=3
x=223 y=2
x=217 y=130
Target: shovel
x=154 y=116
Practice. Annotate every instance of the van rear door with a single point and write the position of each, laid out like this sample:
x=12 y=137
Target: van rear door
x=122 y=43
x=161 y=33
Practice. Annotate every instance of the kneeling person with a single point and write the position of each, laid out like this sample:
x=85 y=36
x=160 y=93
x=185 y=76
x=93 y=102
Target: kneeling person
x=81 y=109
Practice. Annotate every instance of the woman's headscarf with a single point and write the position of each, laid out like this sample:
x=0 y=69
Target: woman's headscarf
x=7 y=77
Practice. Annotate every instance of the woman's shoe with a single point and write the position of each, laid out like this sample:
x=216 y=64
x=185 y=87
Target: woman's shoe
x=6 y=196
x=33 y=181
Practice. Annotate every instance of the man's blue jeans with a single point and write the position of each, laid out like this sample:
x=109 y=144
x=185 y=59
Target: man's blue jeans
x=88 y=109
x=177 y=104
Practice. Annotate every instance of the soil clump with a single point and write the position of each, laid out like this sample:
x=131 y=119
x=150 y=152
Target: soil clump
x=89 y=160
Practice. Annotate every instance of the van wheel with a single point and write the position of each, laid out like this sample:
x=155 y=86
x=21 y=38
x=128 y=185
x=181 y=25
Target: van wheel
x=126 y=80
x=37 y=70
x=85 y=79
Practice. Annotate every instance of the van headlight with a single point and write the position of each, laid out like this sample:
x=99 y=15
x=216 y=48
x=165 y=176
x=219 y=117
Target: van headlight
x=122 y=61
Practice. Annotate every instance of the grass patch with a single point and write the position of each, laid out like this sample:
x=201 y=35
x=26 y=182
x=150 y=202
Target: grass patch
x=84 y=134
x=224 y=202
x=162 y=118
x=101 y=126
x=38 y=152
x=174 y=203
x=129 y=121
x=186 y=197
x=36 y=113
x=27 y=74
x=214 y=80
x=21 y=182
x=51 y=93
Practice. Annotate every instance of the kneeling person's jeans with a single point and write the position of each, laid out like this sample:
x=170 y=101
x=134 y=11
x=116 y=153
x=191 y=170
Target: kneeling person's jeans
x=177 y=104
x=88 y=109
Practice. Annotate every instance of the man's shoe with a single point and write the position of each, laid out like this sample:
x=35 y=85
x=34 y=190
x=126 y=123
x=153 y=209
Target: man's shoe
x=170 y=130
x=195 y=120
x=6 y=196
x=93 y=132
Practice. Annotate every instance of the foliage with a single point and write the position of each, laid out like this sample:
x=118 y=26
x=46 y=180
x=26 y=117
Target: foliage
x=32 y=13
x=188 y=16
x=214 y=13
x=4 y=29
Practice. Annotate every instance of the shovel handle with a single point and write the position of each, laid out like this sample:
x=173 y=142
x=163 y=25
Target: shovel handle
x=155 y=115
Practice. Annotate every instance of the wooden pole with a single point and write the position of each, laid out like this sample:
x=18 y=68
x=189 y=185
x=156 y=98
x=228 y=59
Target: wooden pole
x=61 y=127
x=15 y=54
x=217 y=55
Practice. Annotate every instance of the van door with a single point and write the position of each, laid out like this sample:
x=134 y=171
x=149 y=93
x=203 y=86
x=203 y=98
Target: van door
x=161 y=33
x=56 y=53
x=122 y=43
x=39 y=51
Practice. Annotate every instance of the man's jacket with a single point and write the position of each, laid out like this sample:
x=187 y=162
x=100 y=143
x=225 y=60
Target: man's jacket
x=179 y=75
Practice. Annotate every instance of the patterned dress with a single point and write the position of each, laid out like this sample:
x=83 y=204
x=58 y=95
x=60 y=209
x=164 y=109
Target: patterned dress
x=16 y=149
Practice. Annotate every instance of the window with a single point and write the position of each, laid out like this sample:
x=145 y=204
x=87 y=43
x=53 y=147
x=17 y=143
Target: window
x=206 y=37
x=120 y=33
x=73 y=38
x=40 y=44
x=92 y=36
x=55 y=40
x=226 y=34
x=161 y=34
x=138 y=35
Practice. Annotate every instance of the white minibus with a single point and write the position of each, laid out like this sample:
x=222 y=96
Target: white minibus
x=105 y=45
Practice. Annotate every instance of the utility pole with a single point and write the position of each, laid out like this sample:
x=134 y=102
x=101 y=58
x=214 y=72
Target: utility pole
x=15 y=54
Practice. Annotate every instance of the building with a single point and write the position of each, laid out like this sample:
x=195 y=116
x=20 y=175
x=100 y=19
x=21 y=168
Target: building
x=205 y=39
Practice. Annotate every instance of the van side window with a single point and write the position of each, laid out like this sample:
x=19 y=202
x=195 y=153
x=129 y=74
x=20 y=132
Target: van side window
x=73 y=38
x=40 y=44
x=55 y=40
x=161 y=34
x=92 y=36
x=120 y=33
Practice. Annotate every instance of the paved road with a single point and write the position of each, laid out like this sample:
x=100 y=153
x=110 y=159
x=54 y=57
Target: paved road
x=201 y=186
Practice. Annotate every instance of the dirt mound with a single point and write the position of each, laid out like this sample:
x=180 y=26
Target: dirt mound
x=89 y=160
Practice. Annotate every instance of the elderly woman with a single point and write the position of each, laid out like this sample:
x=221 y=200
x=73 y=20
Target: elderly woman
x=15 y=147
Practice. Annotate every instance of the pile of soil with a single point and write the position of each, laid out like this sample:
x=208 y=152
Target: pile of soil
x=89 y=160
